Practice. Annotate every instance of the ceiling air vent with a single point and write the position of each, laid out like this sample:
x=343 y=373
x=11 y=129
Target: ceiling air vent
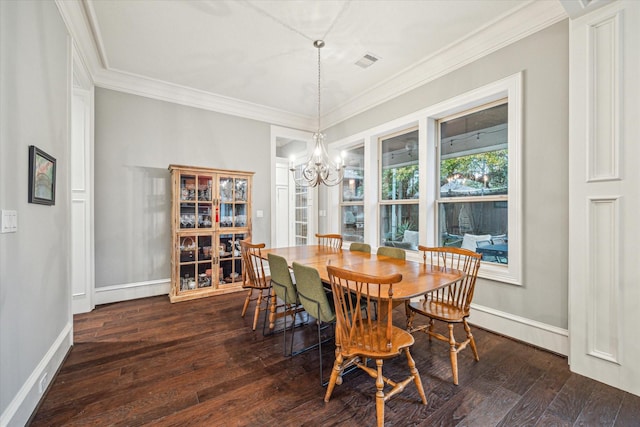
x=367 y=60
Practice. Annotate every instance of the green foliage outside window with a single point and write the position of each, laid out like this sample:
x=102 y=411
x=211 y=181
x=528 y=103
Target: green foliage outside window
x=400 y=183
x=474 y=168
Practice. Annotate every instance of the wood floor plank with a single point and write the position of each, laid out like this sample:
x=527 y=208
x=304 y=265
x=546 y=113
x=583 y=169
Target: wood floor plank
x=572 y=398
x=602 y=407
x=629 y=414
x=492 y=409
x=199 y=363
x=537 y=399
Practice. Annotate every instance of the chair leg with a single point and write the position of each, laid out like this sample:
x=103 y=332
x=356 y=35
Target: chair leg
x=431 y=325
x=246 y=302
x=472 y=341
x=410 y=316
x=335 y=374
x=453 y=354
x=284 y=335
x=272 y=310
x=320 y=350
x=380 y=394
x=292 y=309
x=257 y=312
x=416 y=376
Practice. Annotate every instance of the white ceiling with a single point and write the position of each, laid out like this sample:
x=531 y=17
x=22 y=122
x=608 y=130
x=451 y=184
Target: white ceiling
x=258 y=56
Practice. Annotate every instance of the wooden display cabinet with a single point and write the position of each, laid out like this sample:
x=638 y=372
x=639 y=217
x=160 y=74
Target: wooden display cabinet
x=211 y=213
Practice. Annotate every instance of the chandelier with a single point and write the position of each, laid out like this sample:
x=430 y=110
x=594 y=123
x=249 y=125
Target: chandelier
x=319 y=169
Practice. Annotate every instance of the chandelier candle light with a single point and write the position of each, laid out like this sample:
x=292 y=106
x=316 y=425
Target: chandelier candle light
x=319 y=169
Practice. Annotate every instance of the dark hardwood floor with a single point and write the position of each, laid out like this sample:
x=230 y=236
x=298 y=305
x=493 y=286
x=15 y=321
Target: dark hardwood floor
x=198 y=363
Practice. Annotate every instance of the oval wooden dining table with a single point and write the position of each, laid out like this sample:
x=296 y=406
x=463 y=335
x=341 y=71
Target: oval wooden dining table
x=417 y=278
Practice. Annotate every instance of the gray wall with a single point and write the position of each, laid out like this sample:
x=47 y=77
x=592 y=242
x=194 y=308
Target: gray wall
x=544 y=58
x=35 y=295
x=136 y=139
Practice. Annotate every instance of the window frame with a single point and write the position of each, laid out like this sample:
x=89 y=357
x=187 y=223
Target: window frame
x=426 y=119
x=389 y=202
x=441 y=200
x=343 y=203
x=509 y=88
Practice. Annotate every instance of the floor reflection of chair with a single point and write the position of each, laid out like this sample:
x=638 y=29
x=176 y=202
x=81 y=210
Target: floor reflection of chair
x=284 y=301
x=313 y=297
x=450 y=304
x=255 y=279
x=365 y=331
x=330 y=240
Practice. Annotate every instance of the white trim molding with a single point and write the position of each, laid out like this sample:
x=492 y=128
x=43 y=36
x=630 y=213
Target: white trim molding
x=526 y=330
x=28 y=397
x=525 y=20
x=128 y=291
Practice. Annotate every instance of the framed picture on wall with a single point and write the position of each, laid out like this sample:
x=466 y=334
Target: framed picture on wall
x=42 y=177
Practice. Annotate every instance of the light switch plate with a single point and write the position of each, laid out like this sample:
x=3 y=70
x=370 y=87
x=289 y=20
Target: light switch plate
x=9 y=221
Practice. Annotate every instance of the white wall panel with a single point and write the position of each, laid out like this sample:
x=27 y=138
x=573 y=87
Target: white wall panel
x=79 y=248
x=604 y=145
x=604 y=305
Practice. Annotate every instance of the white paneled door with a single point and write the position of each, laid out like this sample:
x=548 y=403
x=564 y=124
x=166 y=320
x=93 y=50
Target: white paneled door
x=604 y=228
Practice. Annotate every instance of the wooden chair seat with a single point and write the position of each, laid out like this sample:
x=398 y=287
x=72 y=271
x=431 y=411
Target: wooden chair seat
x=439 y=310
x=400 y=339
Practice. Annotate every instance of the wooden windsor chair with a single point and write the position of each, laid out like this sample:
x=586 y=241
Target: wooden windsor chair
x=330 y=240
x=255 y=279
x=364 y=330
x=450 y=304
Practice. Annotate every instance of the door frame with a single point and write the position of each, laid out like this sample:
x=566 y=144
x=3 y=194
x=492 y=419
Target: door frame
x=294 y=134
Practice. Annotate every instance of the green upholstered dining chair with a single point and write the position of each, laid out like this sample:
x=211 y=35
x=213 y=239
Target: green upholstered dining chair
x=316 y=302
x=360 y=247
x=392 y=252
x=285 y=302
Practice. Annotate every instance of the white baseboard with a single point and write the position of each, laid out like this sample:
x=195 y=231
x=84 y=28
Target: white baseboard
x=26 y=400
x=127 y=291
x=530 y=331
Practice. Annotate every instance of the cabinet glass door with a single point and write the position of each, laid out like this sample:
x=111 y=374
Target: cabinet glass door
x=233 y=202
x=230 y=269
x=196 y=201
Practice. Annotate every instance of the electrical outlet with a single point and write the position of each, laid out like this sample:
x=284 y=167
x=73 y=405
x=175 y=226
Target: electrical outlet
x=43 y=383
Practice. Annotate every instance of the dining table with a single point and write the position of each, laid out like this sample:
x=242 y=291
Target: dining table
x=418 y=278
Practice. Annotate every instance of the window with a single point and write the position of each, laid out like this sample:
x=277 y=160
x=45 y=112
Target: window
x=399 y=190
x=473 y=201
x=449 y=174
x=352 y=196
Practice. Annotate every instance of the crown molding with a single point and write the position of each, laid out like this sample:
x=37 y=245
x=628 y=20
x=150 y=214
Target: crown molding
x=164 y=91
x=528 y=19
x=524 y=21
x=78 y=17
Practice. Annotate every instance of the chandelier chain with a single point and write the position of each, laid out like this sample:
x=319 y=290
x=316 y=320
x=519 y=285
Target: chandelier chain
x=319 y=128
